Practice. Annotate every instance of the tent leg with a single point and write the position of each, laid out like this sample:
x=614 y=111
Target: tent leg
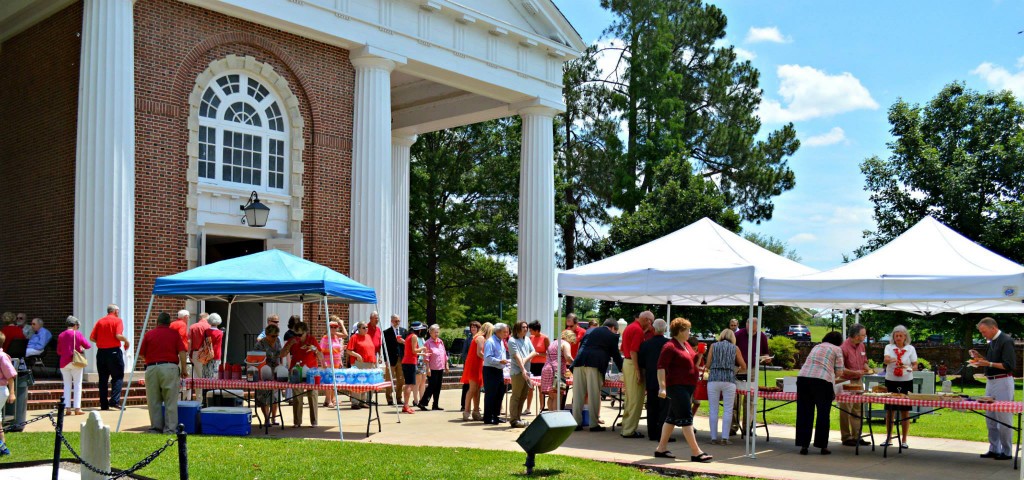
x=558 y=370
x=387 y=369
x=227 y=321
x=131 y=373
x=844 y=325
x=337 y=402
x=751 y=392
x=757 y=368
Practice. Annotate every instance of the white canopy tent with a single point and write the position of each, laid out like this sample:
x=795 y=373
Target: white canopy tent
x=928 y=269
x=700 y=264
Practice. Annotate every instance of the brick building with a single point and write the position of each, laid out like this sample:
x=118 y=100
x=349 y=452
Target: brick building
x=132 y=131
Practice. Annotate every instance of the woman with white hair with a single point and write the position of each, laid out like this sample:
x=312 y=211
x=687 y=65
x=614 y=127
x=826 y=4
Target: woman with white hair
x=900 y=360
x=723 y=357
x=437 y=362
x=213 y=337
x=69 y=342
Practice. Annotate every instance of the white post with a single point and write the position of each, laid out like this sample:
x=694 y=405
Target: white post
x=370 y=248
x=104 y=229
x=400 y=152
x=95 y=438
x=537 y=217
x=757 y=383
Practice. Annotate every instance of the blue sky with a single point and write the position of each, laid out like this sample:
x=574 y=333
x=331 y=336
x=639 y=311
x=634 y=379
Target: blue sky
x=834 y=69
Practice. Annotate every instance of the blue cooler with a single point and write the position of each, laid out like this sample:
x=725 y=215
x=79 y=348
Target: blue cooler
x=586 y=416
x=226 y=420
x=188 y=415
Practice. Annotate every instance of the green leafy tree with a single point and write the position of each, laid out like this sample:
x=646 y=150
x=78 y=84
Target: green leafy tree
x=689 y=102
x=959 y=158
x=586 y=149
x=464 y=185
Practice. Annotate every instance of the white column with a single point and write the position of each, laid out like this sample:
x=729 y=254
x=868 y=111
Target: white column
x=370 y=253
x=536 y=290
x=400 y=148
x=104 y=255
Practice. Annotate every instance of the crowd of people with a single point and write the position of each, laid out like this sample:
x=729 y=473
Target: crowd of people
x=660 y=362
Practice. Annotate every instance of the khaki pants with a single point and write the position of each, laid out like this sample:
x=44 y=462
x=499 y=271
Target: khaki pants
x=849 y=425
x=163 y=383
x=587 y=383
x=635 y=392
x=520 y=388
x=311 y=396
x=394 y=372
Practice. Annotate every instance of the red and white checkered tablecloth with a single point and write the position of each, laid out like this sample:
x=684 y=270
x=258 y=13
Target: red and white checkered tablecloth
x=212 y=383
x=1001 y=407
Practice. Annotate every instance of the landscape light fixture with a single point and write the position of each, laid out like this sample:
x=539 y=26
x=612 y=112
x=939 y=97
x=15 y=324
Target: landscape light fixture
x=256 y=213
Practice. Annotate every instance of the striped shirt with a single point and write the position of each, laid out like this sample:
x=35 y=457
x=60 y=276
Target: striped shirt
x=825 y=362
x=723 y=362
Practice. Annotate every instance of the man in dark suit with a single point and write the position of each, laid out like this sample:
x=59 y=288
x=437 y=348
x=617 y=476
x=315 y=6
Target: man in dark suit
x=647 y=362
x=394 y=342
x=588 y=371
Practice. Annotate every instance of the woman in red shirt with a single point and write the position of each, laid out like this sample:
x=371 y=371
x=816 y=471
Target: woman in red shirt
x=540 y=343
x=677 y=379
x=411 y=354
x=304 y=349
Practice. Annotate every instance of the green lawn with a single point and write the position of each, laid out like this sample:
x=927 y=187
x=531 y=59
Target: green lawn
x=250 y=458
x=939 y=424
x=818 y=331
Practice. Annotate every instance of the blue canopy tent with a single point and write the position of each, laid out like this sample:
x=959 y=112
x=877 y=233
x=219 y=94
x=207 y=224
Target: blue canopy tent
x=270 y=276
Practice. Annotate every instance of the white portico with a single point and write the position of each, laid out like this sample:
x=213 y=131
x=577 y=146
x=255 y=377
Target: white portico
x=420 y=66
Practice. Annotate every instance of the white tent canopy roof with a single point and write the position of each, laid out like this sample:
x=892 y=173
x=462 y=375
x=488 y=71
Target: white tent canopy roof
x=928 y=269
x=702 y=263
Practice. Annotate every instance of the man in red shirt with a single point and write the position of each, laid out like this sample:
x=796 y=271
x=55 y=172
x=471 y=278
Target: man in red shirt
x=196 y=338
x=163 y=355
x=107 y=335
x=571 y=323
x=181 y=326
x=632 y=336
x=374 y=332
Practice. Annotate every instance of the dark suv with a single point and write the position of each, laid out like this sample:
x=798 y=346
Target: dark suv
x=799 y=333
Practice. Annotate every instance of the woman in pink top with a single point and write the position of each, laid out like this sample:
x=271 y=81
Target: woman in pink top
x=334 y=351
x=437 y=361
x=68 y=342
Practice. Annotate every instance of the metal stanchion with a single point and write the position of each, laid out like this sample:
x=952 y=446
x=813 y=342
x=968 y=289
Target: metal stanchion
x=182 y=453
x=56 y=438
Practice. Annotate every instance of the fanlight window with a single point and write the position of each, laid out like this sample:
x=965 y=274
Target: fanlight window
x=242 y=139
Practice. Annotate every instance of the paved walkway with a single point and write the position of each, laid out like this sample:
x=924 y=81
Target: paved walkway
x=927 y=458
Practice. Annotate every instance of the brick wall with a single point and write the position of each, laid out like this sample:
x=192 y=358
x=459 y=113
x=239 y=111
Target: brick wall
x=38 y=117
x=174 y=43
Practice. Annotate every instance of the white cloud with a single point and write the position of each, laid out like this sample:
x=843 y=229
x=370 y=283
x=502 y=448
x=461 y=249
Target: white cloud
x=832 y=137
x=1000 y=78
x=744 y=54
x=802 y=238
x=811 y=93
x=766 y=34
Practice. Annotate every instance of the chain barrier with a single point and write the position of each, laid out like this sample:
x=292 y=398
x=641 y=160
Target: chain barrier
x=18 y=426
x=112 y=475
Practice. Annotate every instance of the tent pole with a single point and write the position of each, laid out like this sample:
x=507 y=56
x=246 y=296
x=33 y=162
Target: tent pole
x=844 y=324
x=387 y=368
x=330 y=346
x=751 y=392
x=558 y=370
x=227 y=338
x=757 y=384
x=131 y=373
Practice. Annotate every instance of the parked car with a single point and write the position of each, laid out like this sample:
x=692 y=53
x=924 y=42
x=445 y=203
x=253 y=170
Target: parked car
x=799 y=333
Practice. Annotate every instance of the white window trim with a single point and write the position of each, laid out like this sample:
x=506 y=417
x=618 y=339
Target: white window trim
x=291 y=197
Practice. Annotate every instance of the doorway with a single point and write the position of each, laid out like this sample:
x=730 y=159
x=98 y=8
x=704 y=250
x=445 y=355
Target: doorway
x=246 y=318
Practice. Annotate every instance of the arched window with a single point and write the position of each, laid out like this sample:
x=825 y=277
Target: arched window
x=242 y=139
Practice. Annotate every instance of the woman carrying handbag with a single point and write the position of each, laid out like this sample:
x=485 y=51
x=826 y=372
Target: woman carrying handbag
x=723 y=357
x=70 y=346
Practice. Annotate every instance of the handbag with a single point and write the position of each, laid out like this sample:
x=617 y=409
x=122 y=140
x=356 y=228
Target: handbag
x=206 y=352
x=701 y=393
x=77 y=358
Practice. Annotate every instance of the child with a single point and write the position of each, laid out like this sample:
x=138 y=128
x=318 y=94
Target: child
x=7 y=390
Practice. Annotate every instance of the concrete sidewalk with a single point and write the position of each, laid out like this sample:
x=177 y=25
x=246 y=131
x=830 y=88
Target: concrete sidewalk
x=927 y=458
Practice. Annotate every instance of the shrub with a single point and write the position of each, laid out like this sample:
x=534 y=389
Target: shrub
x=784 y=350
x=924 y=364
